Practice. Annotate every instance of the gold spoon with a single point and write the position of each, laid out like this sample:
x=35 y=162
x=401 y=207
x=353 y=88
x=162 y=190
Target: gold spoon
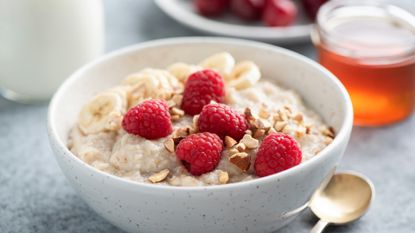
x=345 y=198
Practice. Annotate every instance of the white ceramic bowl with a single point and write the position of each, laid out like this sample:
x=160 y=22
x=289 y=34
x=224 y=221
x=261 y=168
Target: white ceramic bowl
x=261 y=205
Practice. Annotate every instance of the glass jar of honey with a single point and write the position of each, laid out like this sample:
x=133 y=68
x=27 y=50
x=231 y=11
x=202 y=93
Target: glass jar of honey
x=370 y=47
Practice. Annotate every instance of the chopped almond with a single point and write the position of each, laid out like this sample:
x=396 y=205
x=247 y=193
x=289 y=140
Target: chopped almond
x=230 y=142
x=242 y=160
x=169 y=145
x=159 y=176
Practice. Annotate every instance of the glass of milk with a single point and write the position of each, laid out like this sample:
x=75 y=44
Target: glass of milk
x=43 y=41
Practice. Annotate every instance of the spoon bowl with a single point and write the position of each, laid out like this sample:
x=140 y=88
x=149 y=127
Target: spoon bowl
x=345 y=198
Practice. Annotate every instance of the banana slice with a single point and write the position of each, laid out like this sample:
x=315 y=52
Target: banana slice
x=221 y=62
x=151 y=83
x=182 y=70
x=244 y=75
x=104 y=112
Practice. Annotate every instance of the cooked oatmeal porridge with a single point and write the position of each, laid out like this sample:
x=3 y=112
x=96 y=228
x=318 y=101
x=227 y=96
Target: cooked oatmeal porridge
x=102 y=139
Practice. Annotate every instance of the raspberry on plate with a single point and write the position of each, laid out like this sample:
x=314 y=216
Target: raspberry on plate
x=201 y=88
x=200 y=153
x=211 y=7
x=247 y=9
x=150 y=119
x=223 y=121
x=278 y=152
x=279 y=13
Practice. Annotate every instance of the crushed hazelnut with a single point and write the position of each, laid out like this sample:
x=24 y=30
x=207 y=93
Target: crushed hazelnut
x=182 y=132
x=328 y=131
x=240 y=147
x=259 y=133
x=271 y=130
x=263 y=113
x=223 y=177
x=176 y=140
x=242 y=160
x=248 y=113
x=177 y=99
x=233 y=151
x=230 y=142
x=298 y=117
x=159 y=176
x=169 y=145
x=176 y=111
x=287 y=129
x=249 y=141
x=175 y=117
x=195 y=124
x=280 y=125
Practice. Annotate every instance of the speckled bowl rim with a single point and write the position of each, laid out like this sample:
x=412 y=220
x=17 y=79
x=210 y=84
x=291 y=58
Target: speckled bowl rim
x=341 y=137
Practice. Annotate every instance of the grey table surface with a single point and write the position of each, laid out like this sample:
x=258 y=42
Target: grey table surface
x=35 y=197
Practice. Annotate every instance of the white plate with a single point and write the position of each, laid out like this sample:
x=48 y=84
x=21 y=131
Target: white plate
x=229 y=25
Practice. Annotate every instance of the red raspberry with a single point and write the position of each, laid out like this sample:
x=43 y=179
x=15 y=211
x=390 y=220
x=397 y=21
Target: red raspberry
x=223 y=121
x=247 y=9
x=201 y=88
x=279 y=13
x=200 y=153
x=150 y=119
x=211 y=7
x=277 y=153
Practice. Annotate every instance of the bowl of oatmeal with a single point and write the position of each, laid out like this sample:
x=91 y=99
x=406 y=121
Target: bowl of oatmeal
x=175 y=134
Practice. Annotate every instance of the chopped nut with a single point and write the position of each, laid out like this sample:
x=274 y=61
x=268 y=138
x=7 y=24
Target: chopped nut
x=177 y=99
x=175 y=117
x=171 y=103
x=177 y=140
x=263 y=113
x=288 y=109
x=280 y=125
x=287 y=129
x=248 y=113
x=298 y=117
x=230 y=142
x=169 y=144
x=328 y=140
x=177 y=111
x=233 y=151
x=241 y=160
x=240 y=147
x=259 y=133
x=249 y=141
x=271 y=130
x=328 y=131
x=182 y=132
x=277 y=117
x=195 y=124
x=307 y=129
x=300 y=131
x=248 y=132
x=223 y=177
x=159 y=176
x=283 y=115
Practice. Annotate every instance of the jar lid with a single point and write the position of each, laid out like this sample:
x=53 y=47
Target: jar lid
x=373 y=32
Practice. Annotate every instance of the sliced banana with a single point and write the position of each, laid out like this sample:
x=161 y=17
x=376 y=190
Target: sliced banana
x=182 y=70
x=221 y=62
x=151 y=83
x=244 y=75
x=104 y=112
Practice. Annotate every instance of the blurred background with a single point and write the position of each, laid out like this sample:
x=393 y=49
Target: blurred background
x=34 y=195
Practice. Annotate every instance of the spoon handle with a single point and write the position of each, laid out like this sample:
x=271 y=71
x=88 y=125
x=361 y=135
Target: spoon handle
x=319 y=227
